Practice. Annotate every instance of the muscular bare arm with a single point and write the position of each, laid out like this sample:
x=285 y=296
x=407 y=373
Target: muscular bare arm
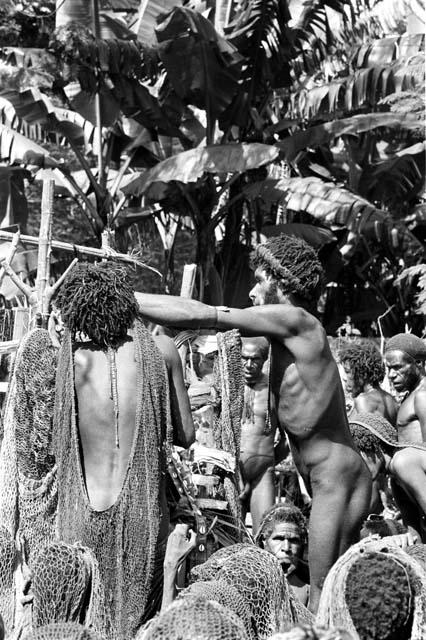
x=420 y=410
x=279 y=321
x=183 y=426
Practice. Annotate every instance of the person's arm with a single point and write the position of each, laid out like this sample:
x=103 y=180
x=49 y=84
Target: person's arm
x=281 y=449
x=183 y=425
x=180 y=542
x=279 y=321
x=420 y=410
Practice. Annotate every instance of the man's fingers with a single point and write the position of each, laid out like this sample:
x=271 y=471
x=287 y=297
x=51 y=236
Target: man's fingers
x=182 y=529
x=192 y=539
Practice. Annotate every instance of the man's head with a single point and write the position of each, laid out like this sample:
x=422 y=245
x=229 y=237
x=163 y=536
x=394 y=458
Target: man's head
x=287 y=270
x=373 y=436
x=98 y=301
x=361 y=365
x=283 y=532
x=405 y=355
x=254 y=353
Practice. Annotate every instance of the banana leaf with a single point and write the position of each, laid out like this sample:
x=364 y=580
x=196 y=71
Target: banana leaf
x=203 y=68
x=189 y=166
x=355 y=125
x=17 y=149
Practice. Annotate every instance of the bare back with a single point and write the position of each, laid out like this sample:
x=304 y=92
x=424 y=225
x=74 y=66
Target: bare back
x=105 y=465
x=377 y=400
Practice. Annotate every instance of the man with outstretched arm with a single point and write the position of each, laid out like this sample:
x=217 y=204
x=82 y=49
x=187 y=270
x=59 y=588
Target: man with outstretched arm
x=306 y=393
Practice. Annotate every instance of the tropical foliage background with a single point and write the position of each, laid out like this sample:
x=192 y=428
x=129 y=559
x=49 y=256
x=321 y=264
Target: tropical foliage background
x=208 y=125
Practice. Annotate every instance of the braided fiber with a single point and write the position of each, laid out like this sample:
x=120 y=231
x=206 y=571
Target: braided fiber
x=293 y=262
x=63 y=631
x=334 y=609
x=98 y=300
x=125 y=537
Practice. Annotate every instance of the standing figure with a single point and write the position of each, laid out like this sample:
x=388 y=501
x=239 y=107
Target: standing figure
x=257 y=454
x=306 y=397
x=120 y=395
x=405 y=356
x=362 y=371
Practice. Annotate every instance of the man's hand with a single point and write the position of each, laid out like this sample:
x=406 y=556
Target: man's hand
x=180 y=543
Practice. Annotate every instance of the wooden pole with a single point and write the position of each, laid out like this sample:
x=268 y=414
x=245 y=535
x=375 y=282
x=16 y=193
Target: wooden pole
x=44 y=248
x=78 y=248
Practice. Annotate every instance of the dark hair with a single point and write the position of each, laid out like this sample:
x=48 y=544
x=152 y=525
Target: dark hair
x=98 y=300
x=282 y=512
x=382 y=527
x=365 y=362
x=293 y=263
x=260 y=342
x=378 y=596
x=368 y=443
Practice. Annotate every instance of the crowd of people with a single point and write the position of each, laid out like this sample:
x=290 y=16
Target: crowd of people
x=99 y=441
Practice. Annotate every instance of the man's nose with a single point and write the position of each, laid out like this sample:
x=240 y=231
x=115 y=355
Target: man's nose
x=286 y=545
x=252 y=293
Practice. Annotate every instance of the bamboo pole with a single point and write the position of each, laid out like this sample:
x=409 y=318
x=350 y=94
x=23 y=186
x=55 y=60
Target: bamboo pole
x=10 y=255
x=44 y=248
x=77 y=248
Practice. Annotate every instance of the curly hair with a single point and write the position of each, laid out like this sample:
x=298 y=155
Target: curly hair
x=365 y=362
x=293 y=263
x=281 y=512
x=98 y=300
x=378 y=596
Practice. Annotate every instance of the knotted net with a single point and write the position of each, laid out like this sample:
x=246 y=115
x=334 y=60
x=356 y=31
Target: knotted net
x=229 y=381
x=27 y=466
x=28 y=497
x=333 y=608
x=195 y=619
x=125 y=537
x=7 y=582
x=66 y=586
x=226 y=595
x=257 y=575
x=307 y=632
x=63 y=631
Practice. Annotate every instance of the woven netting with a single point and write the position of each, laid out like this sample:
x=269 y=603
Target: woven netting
x=27 y=470
x=229 y=382
x=307 y=632
x=65 y=585
x=63 y=631
x=125 y=537
x=209 y=569
x=7 y=586
x=333 y=609
x=258 y=577
x=226 y=595
x=195 y=619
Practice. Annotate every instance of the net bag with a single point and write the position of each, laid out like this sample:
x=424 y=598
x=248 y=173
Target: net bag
x=66 y=586
x=63 y=631
x=307 y=632
x=333 y=608
x=225 y=595
x=7 y=582
x=125 y=537
x=195 y=619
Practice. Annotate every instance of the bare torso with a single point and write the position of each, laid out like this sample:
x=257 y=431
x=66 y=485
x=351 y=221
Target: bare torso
x=257 y=439
x=310 y=405
x=408 y=422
